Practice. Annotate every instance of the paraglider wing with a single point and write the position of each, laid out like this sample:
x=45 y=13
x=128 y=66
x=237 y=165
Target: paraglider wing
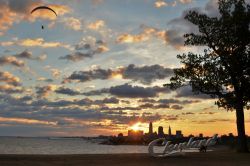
x=43 y=7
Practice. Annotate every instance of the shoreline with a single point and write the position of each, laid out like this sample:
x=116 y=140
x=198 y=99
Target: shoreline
x=210 y=158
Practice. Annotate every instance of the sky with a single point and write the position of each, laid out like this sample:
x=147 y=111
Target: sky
x=98 y=68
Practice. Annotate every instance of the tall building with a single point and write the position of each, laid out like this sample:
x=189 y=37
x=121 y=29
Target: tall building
x=150 y=128
x=169 y=131
x=179 y=134
x=160 y=131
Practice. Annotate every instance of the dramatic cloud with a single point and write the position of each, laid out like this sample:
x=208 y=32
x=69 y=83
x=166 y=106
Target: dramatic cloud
x=187 y=92
x=180 y=26
x=143 y=74
x=146 y=74
x=129 y=91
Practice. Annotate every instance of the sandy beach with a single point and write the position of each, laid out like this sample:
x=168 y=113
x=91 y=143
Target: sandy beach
x=190 y=159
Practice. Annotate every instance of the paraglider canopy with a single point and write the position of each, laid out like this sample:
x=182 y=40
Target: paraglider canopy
x=43 y=8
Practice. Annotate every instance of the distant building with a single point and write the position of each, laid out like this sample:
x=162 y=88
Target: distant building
x=150 y=128
x=160 y=131
x=135 y=134
x=200 y=135
x=120 y=135
x=179 y=134
x=169 y=131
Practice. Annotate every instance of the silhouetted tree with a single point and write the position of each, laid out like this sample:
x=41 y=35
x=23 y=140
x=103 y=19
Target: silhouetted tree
x=223 y=70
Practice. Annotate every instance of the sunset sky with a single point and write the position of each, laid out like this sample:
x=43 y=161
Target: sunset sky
x=98 y=68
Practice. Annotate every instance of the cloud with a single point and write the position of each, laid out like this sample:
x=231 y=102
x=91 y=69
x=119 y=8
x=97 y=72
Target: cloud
x=37 y=42
x=44 y=91
x=186 y=91
x=176 y=107
x=9 y=89
x=160 y=3
x=96 y=25
x=24 y=121
x=185 y=1
x=71 y=23
x=142 y=74
x=84 y=76
x=67 y=91
x=146 y=34
x=28 y=55
x=9 y=79
x=89 y=47
x=54 y=71
x=129 y=91
x=180 y=26
x=25 y=54
x=44 y=79
x=11 y=60
x=146 y=74
x=77 y=56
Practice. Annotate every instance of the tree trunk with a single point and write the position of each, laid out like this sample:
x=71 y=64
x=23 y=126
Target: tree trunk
x=242 y=139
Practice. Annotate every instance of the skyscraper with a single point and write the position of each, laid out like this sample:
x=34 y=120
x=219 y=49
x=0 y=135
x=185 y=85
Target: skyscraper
x=150 y=128
x=169 y=131
x=160 y=131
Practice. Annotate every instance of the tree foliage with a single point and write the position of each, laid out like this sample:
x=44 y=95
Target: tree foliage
x=223 y=70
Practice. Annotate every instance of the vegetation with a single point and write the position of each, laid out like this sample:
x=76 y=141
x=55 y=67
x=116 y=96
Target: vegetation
x=223 y=70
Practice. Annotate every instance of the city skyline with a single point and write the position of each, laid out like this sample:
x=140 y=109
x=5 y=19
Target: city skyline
x=98 y=68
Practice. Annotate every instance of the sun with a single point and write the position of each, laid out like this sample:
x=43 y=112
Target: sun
x=136 y=126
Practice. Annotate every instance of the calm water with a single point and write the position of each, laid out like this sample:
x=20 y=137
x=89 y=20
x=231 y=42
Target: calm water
x=11 y=145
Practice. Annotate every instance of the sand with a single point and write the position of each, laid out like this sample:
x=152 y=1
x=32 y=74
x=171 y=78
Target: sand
x=190 y=159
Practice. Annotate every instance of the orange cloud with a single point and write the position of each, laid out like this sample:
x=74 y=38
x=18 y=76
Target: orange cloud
x=9 y=78
x=185 y=1
x=10 y=89
x=37 y=42
x=11 y=60
x=148 y=32
x=159 y=4
x=96 y=25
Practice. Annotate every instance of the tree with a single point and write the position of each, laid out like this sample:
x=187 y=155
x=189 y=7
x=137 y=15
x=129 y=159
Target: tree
x=223 y=70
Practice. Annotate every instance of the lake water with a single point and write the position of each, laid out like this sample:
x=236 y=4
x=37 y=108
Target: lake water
x=12 y=145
